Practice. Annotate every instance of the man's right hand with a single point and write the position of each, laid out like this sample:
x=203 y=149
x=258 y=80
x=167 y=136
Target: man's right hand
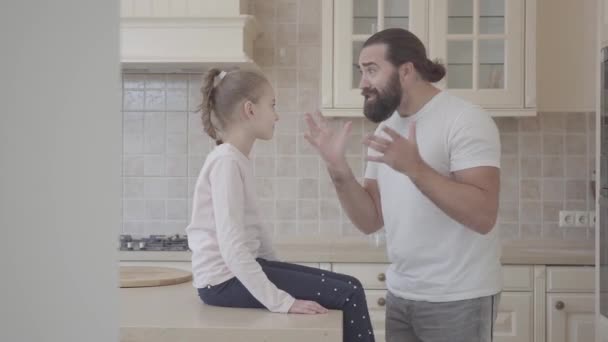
x=330 y=144
x=307 y=307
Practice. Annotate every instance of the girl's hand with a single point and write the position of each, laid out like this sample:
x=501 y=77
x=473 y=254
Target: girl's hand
x=307 y=307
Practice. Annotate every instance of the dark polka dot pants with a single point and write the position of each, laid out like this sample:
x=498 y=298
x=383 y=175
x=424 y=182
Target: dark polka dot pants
x=332 y=290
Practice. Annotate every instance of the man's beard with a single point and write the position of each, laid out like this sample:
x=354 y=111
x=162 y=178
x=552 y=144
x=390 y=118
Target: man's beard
x=384 y=103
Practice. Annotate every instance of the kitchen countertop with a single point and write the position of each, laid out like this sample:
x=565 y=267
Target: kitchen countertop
x=531 y=252
x=175 y=313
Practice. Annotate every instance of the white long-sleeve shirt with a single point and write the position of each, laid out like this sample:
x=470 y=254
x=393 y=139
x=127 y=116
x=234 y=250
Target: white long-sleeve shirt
x=226 y=234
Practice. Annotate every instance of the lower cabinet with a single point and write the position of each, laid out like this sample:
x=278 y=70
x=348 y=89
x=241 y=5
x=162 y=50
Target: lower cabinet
x=515 y=315
x=515 y=318
x=568 y=316
x=570 y=305
x=376 y=303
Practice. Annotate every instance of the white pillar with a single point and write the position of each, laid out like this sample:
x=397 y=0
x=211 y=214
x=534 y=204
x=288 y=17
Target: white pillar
x=60 y=148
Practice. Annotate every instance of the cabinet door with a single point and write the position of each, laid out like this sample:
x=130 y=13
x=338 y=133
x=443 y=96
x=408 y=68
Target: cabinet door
x=481 y=43
x=354 y=22
x=604 y=22
x=570 y=317
x=376 y=304
x=573 y=88
x=514 y=319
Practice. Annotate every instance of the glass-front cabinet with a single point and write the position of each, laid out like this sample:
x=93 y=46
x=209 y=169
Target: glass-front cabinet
x=353 y=22
x=482 y=45
x=487 y=47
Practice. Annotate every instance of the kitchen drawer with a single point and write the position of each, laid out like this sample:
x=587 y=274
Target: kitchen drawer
x=579 y=279
x=376 y=300
x=518 y=278
x=372 y=276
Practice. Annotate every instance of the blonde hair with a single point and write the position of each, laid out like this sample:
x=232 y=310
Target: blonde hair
x=222 y=92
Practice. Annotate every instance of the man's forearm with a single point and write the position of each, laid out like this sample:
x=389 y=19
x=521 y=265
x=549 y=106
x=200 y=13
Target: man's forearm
x=356 y=201
x=469 y=205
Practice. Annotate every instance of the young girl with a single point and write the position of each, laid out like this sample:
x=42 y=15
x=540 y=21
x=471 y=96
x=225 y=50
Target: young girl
x=232 y=258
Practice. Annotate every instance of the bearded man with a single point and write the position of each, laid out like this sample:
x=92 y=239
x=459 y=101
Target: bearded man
x=432 y=182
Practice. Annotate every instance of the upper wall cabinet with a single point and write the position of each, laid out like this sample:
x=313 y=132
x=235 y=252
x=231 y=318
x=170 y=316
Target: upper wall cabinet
x=487 y=46
x=346 y=26
x=482 y=43
x=603 y=17
x=567 y=55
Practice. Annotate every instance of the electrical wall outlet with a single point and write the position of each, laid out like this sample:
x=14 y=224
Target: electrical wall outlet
x=592 y=219
x=581 y=219
x=567 y=218
x=576 y=218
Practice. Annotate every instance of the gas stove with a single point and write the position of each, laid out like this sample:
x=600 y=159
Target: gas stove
x=154 y=243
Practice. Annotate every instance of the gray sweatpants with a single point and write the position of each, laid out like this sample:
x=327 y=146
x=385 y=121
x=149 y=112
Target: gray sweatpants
x=470 y=320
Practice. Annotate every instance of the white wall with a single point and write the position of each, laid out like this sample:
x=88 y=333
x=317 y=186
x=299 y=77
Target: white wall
x=60 y=147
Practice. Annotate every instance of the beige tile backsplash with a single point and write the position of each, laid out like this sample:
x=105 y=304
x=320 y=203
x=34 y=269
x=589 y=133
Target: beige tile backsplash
x=546 y=163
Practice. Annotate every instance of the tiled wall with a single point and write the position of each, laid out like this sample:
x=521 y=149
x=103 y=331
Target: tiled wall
x=547 y=165
x=160 y=143
x=546 y=159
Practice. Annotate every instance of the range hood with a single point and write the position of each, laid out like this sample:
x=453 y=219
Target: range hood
x=185 y=35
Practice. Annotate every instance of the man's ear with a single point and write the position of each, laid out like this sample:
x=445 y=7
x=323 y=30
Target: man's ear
x=406 y=69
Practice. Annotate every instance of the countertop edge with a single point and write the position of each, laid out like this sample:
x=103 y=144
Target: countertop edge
x=520 y=253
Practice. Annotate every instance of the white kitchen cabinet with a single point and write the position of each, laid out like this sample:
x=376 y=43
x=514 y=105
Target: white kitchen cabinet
x=376 y=304
x=567 y=55
x=603 y=24
x=514 y=320
x=488 y=47
x=570 y=304
x=515 y=310
x=570 y=317
x=482 y=45
x=570 y=279
x=373 y=278
x=346 y=26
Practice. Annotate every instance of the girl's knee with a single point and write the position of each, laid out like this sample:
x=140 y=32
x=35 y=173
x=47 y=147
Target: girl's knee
x=355 y=282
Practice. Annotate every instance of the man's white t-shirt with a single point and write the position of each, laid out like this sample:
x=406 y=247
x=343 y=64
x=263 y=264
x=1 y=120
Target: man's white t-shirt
x=433 y=257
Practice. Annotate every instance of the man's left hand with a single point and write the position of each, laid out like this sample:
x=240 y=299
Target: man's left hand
x=400 y=153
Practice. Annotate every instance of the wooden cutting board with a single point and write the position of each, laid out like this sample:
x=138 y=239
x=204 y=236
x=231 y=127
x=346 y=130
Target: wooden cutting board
x=145 y=276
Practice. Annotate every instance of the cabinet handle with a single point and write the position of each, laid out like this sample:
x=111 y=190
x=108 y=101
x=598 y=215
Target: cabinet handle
x=560 y=305
x=381 y=277
x=381 y=301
